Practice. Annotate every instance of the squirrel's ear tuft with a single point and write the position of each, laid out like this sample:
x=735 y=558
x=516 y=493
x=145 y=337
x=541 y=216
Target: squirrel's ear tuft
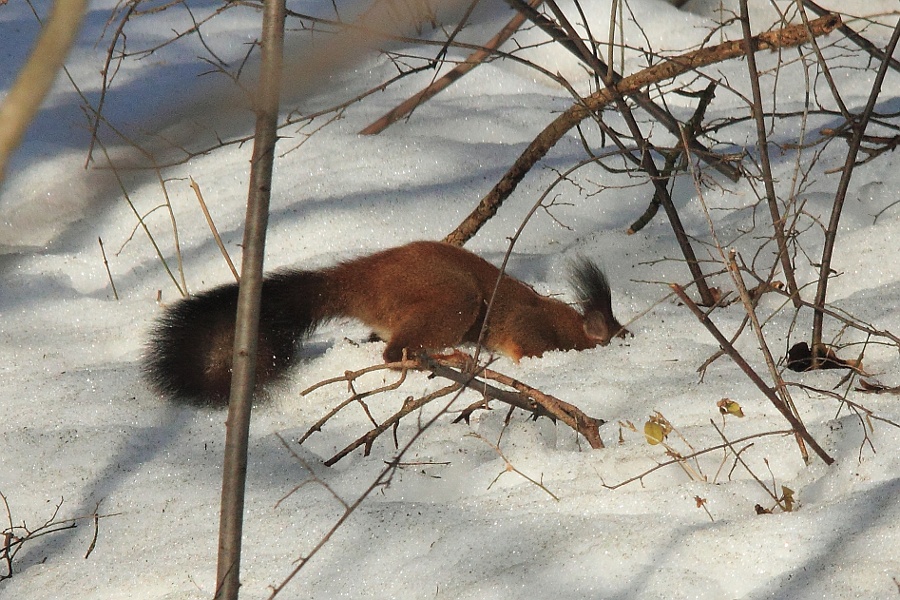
x=592 y=293
x=590 y=286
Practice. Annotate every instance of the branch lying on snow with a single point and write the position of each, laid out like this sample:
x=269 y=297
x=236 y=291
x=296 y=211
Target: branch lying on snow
x=680 y=459
x=14 y=537
x=462 y=370
x=668 y=69
x=525 y=396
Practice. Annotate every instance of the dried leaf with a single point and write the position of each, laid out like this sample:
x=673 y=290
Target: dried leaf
x=787 y=498
x=655 y=432
x=869 y=387
x=728 y=406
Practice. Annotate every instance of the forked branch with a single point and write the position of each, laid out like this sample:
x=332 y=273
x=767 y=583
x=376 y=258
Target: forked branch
x=462 y=370
x=667 y=69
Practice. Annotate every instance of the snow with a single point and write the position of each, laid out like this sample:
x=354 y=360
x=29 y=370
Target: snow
x=82 y=430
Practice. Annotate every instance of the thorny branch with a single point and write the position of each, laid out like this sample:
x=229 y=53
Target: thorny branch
x=464 y=373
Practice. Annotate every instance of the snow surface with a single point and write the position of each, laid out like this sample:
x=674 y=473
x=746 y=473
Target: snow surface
x=82 y=429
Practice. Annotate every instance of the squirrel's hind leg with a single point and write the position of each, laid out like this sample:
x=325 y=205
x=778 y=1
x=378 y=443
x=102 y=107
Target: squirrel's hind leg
x=430 y=326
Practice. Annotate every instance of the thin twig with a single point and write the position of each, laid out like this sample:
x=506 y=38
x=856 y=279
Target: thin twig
x=680 y=459
x=96 y=519
x=213 y=229
x=112 y=283
x=411 y=405
x=509 y=467
x=856 y=38
x=477 y=57
x=383 y=478
x=349 y=377
x=756 y=109
x=750 y=309
x=738 y=457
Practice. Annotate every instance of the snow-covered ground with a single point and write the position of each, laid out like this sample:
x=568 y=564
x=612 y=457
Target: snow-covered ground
x=82 y=430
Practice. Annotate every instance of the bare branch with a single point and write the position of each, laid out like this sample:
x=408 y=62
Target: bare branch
x=668 y=69
x=754 y=377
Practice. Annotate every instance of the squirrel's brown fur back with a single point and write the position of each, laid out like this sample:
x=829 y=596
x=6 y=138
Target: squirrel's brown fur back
x=421 y=296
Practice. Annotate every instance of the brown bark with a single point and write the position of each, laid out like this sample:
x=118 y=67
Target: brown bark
x=668 y=69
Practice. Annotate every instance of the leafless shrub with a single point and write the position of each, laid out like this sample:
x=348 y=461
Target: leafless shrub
x=14 y=537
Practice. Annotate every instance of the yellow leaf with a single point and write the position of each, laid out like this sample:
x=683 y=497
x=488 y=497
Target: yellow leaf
x=730 y=407
x=654 y=432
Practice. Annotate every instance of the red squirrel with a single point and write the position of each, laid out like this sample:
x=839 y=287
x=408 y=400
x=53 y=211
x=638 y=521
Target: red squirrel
x=418 y=297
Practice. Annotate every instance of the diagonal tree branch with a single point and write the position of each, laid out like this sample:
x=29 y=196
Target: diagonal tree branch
x=668 y=69
x=477 y=57
x=783 y=408
x=641 y=97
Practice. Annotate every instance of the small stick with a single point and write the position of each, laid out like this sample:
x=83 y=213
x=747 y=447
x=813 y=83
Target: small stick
x=108 y=273
x=409 y=406
x=93 y=543
x=215 y=232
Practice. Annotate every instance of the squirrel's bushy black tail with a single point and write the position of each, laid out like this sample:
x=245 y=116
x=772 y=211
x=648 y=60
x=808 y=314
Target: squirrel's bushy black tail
x=189 y=353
